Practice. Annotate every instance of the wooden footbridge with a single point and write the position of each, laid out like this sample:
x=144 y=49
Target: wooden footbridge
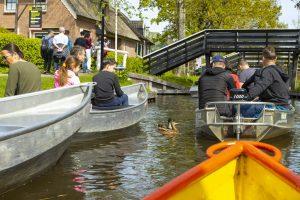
x=246 y=44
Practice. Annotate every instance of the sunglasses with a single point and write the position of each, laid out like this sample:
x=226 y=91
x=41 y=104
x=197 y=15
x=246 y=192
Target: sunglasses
x=4 y=58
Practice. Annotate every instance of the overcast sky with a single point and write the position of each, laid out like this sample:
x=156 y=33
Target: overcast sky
x=289 y=13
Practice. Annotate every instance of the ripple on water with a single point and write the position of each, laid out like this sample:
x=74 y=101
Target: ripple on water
x=130 y=163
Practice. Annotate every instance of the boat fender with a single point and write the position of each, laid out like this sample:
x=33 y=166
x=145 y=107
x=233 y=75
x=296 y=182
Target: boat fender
x=276 y=153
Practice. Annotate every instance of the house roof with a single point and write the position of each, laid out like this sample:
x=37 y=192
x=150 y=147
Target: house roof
x=134 y=25
x=123 y=28
x=84 y=8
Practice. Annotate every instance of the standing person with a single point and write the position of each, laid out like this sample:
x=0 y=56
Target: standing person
x=214 y=84
x=60 y=45
x=66 y=75
x=70 y=42
x=23 y=77
x=246 y=71
x=81 y=41
x=107 y=85
x=106 y=46
x=88 y=50
x=271 y=84
x=47 y=51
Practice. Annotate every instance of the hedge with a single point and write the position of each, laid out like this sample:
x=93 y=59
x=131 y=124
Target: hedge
x=29 y=46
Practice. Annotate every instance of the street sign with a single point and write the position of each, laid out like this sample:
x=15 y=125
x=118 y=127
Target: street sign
x=35 y=17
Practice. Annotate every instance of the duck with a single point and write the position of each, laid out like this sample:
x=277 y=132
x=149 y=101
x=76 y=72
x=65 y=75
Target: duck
x=170 y=130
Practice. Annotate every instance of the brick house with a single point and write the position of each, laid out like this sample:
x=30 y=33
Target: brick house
x=75 y=16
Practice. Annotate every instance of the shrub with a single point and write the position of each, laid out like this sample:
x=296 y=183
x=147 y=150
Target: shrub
x=3 y=30
x=30 y=47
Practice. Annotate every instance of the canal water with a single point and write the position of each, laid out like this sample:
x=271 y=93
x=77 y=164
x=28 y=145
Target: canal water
x=130 y=163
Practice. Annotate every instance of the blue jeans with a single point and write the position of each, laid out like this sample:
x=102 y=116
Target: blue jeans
x=253 y=111
x=117 y=101
x=84 y=66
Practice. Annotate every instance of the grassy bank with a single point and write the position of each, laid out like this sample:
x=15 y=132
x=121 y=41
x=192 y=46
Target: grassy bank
x=186 y=81
x=48 y=82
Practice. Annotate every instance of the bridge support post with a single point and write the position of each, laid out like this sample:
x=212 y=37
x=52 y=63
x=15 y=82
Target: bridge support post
x=207 y=59
x=150 y=85
x=294 y=70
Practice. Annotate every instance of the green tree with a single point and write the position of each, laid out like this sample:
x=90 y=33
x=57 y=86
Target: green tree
x=216 y=14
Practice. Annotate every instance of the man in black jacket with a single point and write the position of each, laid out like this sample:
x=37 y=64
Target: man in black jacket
x=271 y=84
x=107 y=85
x=214 y=84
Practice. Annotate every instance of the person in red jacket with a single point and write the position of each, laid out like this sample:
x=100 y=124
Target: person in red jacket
x=235 y=78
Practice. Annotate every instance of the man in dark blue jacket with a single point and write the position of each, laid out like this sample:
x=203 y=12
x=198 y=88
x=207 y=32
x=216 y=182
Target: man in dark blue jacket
x=214 y=84
x=107 y=86
x=271 y=84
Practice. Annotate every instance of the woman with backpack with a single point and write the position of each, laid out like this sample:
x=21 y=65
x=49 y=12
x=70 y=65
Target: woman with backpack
x=47 y=51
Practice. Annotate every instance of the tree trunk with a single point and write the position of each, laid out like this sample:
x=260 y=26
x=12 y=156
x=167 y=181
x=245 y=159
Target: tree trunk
x=181 y=28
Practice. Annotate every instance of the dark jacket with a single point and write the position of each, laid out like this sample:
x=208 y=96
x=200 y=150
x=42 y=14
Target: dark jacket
x=271 y=84
x=107 y=85
x=213 y=85
x=81 y=42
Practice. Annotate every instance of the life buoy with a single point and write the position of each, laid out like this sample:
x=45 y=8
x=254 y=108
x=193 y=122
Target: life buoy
x=212 y=151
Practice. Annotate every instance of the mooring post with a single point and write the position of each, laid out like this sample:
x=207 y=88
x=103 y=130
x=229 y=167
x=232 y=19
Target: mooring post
x=207 y=59
x=294 y=70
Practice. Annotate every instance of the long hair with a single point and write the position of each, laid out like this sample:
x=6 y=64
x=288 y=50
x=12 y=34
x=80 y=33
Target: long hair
x=12 y=49
x=70 y=63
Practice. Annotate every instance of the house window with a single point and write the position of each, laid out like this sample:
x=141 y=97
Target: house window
x=139 y=49
x=10 y=5
x=42 y=4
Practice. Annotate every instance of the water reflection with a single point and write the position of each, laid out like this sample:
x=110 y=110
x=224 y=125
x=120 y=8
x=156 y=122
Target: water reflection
x=130 y=163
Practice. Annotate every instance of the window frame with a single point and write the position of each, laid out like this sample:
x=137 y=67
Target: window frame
x=9 y=11
x=43 y=5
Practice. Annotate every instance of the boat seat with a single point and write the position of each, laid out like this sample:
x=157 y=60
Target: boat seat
x=109 y=108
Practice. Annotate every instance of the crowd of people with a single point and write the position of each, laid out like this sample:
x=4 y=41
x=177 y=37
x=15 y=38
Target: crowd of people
x=25 y=77
x=267 y=84
x=56 y=48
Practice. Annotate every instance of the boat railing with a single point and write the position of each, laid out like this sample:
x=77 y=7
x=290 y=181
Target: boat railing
x=237 y=119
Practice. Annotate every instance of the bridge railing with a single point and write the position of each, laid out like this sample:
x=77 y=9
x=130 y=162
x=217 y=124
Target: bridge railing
x=205 y=42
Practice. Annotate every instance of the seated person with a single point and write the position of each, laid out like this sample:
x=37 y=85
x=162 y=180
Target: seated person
x=66 y=75
x=271 y=84
x=235 y=77
x=214 y=83
x=23 y=77
x=107 y=84
x=245 y=72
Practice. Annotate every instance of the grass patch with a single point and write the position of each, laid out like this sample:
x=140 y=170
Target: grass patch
x=186 y=81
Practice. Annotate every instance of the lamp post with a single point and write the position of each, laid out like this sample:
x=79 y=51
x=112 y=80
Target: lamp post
x=102 y=7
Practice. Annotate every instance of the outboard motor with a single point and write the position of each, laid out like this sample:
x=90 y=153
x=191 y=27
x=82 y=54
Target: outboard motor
x=238 y=94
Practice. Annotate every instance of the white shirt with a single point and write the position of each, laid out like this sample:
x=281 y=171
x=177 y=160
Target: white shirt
x=61 y=39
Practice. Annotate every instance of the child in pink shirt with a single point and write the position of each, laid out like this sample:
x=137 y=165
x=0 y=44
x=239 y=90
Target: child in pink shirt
x=66 y=75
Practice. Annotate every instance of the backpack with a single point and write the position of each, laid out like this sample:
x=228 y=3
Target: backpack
x=45 y=43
